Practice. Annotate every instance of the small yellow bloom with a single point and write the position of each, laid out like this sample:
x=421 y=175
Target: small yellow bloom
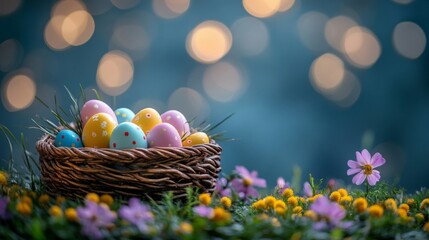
x=297 y=210
x=106 y=199
x=410 y=201
x=420 y=217
x=262 y=216
x=275 y=222
x=205 y=199
x=59 y=200
x=310 y=214
x=269 y=201
x=293 y=201
x=226 y=202
x=280 y=204
x=23 y=208
x=296 y=236
x=55 y=211
x=405 y=207
x=424 y=204
x=93 y=197
x=390 y=204
x=343 y=192
x=3 y=178
x=27 y=200
x=221 y=215
x=346 y=200
x=360 y=204
x=426 y=227
x=287 y=193
x=335 y=196
x=259 y=205
x=302 y=200
x=401 y=213
x=44 y=199
x=280 y=210
x=185 y=228
x=376 y=211
x=71 y=215
x=313 y=198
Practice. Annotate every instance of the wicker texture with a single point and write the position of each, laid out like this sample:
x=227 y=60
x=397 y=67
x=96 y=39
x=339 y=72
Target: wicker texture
x=74 y=172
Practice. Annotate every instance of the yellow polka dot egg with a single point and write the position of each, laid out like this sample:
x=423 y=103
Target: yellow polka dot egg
x=98 y=129
x=196 y=139
x=147 y=119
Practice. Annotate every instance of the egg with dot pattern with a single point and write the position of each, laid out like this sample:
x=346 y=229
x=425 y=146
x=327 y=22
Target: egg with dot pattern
x=67 y=138
x=164 y=135
x=124 y=115
x=128 y=135
x=146 y=119
x=178 y=120
x=196 y=139
x=97 y=130
x=92 y=107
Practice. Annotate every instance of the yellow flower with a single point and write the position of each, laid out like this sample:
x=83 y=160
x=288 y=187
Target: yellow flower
x=426 y=227
x=262 y=216
x=259 y=205
x=23 y=208
x=405 y=207
x=401 y=213
x=185 y=228
x=93 y=197
x=280 y=210
x=269 y=201
x=3 y=178
x=335 y=196
x=59 y=200
x=410 y=201
x=106 y=199
x=27 y=200
x=287 y=193
x=71 y=215
x=205 y=199
x=420 y=217
x=310 y=214
x=360 y=204
x=280 y=204
x=293 y=201
x=302 y=200
x=275 y=222
x=424 y=204
x=376 y=211
x=297 y=210
x=221 y=215
x=390 y=204
x=226 y=202
x=313 y=198
x=44 y=199
x=346 y=200
x=343 y=192
x=55 y=211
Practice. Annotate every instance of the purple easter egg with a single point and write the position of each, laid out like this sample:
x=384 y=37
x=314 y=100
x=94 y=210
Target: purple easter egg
x=178 y=120
x=92 y=107
x=164 y=135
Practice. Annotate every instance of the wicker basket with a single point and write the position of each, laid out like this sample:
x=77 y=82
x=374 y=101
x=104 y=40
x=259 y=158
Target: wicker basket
x=74 y=172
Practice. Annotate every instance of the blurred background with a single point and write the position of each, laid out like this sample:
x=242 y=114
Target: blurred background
x=310 y=81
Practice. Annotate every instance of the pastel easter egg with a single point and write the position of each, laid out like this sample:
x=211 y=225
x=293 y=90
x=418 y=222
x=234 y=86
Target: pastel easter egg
x=67 y=138
x=97 y=130
x=124 y=115
x=196 y=139
x=178 y=121
x=128 y=135
x=147 y=119
x=164 y=135
x=92 y=107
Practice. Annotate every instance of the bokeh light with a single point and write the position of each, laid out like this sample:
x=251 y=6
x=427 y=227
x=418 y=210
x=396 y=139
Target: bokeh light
x=361 y=47
x=251 y=36
x=285 y=5
x=170 y=8
x=52 y=34
x=262 y=8
x=346 y=93
x=9 y=6
x=66 y=7
x=115 y=73
x=125 y=4
x=327 y=72
x=209 y=42
x=77 y=27
x=131 y=38
x=98 y=7
x=19 y=90
x=409 y=39
x=311 y=27
x=223 y=82
x=190 y=103
x=335 y=30
x=11 y=53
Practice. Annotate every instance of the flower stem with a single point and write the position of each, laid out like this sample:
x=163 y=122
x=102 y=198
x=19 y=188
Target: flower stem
x=367 y=188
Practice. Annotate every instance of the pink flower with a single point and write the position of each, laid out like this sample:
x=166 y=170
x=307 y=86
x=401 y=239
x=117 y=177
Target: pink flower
x=282 y=185
x=245 y=185
x=364 y=167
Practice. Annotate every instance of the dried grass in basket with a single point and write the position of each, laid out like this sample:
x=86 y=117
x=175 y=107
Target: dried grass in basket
x=74 y=172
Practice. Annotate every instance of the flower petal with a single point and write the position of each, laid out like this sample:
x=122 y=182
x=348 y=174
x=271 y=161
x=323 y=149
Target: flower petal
x=259 y=182
x=352 y=171
x=360 y=159
x=377 y=160
x=242 y=171
x=366 y=156
x=359 y=178
x=353 y=164
x=372 y=179
x=376 y=173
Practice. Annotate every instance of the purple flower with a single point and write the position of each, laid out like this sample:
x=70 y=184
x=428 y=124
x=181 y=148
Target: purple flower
x=222 y=188
x=364 y=167
x=244 y=186
x=282 y=185
x=136 y=213
x=4 y=214
x=329 y=214
x=203 y=211
x=94 y=218
x=308 y=191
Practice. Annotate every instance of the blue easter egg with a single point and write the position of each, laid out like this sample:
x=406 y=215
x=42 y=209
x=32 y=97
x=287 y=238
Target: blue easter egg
x=68 y=138
x=124 y=115
x=128 y=135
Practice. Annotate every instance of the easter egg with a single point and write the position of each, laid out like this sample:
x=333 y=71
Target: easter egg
x=97 y=130
x=178 y=121
x=124 y=115
x=195 y=139
x=92 y=107
x=128 y=135
x=164 y=135
x=147 y=119
x=67 y=138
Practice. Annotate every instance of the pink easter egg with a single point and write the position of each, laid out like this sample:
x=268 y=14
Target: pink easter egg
x=92 y=107
x=178 y=120
x=164 y=135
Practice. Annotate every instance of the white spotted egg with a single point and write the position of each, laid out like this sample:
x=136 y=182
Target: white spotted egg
x=67 y=138
x=92 y=107
x=164 y=135
x=178 y=120
x=124 y=115
x=97 y=130
x=128 y=135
